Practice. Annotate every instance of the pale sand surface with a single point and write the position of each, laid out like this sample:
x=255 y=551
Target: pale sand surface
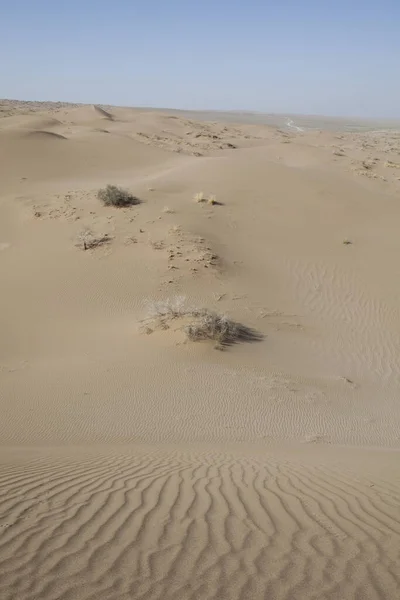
x=136 y=464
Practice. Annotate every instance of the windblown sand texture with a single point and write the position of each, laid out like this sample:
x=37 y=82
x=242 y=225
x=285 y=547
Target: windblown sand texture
x=136 y=464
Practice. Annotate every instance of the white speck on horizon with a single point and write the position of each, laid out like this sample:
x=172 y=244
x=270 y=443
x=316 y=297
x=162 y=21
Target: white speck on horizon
x=291 y=125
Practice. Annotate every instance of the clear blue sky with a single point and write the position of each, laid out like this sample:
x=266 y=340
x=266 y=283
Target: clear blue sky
x=332 y=57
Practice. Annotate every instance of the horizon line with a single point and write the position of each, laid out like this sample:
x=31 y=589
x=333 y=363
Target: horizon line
x=209 y=110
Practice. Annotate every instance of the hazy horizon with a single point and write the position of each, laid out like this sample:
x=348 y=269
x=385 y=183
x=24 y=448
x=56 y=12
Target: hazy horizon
x=336 y=61
x=305 y=121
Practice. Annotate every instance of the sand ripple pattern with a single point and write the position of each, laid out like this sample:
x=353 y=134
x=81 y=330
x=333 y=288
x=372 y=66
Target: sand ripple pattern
x=195 y=527
x=365 y=326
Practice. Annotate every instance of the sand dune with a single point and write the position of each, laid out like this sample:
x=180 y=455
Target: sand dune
x=136 y=463
x=40 y=157
x=28 y=122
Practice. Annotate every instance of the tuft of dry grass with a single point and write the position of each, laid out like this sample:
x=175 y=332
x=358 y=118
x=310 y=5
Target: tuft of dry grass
x=202 y=199
x=208 y=325
x=113 y=195
x=88 y=240
x=169 y=308
x=202 y=324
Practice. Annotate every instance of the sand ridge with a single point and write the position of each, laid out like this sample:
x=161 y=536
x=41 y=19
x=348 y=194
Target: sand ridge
x=135 y=463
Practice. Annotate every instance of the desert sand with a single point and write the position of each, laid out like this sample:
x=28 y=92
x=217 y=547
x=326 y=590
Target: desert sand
x=138 y=464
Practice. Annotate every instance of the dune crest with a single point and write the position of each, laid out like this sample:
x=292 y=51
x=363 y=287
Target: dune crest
x=37 y=133
x=84 y=114
x=103 y=113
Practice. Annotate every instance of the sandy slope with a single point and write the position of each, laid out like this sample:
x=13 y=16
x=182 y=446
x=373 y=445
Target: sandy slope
x=137 y=465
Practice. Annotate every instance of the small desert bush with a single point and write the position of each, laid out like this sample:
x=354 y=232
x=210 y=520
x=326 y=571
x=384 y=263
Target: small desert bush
x=201 y=324
x=116 y=196
x=208 y=325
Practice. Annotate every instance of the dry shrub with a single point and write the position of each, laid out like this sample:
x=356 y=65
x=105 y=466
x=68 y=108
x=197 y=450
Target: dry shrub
x=202 y=199
x=209 y=325
x=171 y=309
x=202 y=324
x=87 y=239
x=116 y=196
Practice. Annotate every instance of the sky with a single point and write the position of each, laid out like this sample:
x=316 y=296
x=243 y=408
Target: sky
x=326 y=57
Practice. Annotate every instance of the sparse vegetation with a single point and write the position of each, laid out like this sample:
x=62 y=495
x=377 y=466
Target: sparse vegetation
x=113 y=195
x=202 y=199
x=171 y=309
x=201 y=324
x=87 y=239
x=208 y=325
